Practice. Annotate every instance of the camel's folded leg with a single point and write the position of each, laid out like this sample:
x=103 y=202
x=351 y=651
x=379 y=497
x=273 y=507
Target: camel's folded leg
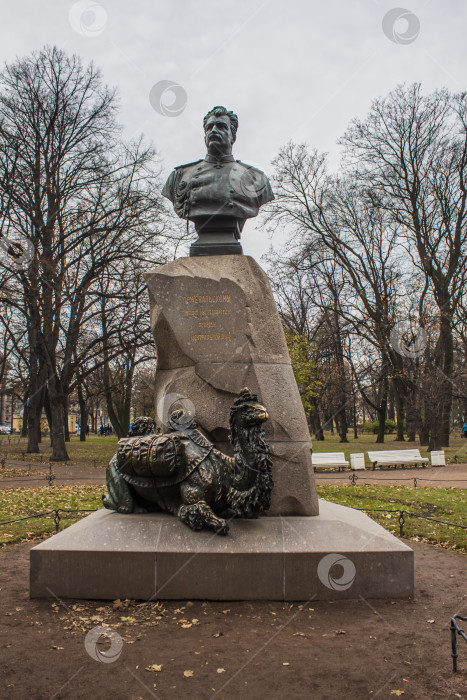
x=120 y=496
x=200 y=515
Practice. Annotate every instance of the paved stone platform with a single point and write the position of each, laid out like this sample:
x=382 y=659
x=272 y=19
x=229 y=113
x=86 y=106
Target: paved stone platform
x=341 y=553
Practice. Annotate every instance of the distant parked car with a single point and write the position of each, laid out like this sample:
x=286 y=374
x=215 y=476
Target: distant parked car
x=5 y=429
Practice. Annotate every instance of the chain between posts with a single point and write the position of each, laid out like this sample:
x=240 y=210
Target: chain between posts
x=353 y=478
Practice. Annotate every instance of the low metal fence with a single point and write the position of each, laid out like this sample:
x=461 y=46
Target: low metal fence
x=55 y=513
x=32 y=467
x=455 y=632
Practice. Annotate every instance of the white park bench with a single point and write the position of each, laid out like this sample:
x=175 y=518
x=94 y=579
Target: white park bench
x=395 y=457
x=327 y=460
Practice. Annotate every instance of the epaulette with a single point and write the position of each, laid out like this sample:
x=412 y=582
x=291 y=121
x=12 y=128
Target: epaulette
x=185 y=165
x=250 y=167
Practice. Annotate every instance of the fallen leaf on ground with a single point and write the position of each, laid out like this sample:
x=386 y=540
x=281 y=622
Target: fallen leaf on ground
x=221 y=670
x=188 y=674
x=156 y=668
x=397 y=692
x=285 y=663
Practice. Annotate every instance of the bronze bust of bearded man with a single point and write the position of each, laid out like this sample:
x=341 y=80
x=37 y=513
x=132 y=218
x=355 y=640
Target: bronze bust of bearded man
x=218 y=193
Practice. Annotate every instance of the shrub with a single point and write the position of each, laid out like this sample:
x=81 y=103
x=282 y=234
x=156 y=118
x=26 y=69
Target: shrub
x=373 y=427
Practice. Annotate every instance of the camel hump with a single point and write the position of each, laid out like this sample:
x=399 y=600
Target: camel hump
x=150 y=461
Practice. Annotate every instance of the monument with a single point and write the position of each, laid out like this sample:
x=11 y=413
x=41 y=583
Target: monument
x=208 y=461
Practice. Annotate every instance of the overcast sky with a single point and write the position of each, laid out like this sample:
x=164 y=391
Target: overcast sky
x=290 y=69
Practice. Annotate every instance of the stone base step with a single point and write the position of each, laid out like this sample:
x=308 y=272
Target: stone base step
x=341 y=553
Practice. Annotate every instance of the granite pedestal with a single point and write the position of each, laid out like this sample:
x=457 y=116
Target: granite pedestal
x=341 y=553
x=217 y=329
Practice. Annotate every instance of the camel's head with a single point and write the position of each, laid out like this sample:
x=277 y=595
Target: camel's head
x=247 y=410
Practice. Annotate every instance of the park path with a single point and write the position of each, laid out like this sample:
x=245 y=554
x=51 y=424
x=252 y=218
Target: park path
x=450 y=476
x=327 y=649
x=34 y=475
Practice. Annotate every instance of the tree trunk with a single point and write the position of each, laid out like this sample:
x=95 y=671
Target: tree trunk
x=391 y=415
x=66 y=427
x=446 y=409
x=24 y=429
x=3 y=401
x=354 y=416
x=412 y=415
x=34 y=424
x=59 y=453
x=381 y=427
x=424 y=432
x=315 y=422
x=36 y=393
x=382 y=409
x=446 y=341
x=400 y=415
x=341 y=424
x=83 y=414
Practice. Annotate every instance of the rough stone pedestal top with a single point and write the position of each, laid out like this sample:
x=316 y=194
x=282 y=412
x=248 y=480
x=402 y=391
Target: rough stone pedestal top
x=217 y=330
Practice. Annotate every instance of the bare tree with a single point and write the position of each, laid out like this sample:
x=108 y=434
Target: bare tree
x=411 y=151
x=79 y=198
x=357 y=237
